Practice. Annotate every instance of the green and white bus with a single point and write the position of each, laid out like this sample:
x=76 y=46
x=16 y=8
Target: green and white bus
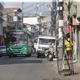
x=19 y=43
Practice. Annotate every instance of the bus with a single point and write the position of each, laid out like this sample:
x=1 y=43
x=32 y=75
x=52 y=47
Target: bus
x=19 y=42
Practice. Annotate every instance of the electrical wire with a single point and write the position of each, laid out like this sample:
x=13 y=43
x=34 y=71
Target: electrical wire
x=40 y=5
x=28 y=7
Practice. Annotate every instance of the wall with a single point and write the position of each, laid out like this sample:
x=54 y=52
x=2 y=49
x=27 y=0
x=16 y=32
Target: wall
x=1 y=19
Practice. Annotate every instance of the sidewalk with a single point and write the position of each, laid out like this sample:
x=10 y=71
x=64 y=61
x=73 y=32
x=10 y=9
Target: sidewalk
x=76 y=75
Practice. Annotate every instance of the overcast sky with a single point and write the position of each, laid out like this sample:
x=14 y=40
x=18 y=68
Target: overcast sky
x=30 y=8
x=26 y=0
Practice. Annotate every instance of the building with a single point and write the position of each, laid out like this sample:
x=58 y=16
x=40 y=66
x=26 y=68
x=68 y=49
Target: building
x=11 y=18
x=78 y=16
x=1 y=18
x=71 y=13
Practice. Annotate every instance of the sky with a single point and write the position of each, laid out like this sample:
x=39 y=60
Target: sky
x=32 y=0
x=30 y=8
x=26 y=0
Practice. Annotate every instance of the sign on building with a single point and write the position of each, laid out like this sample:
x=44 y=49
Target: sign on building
x=43 y=19
x=61 y=24
x=15 y=18
x=30 y=20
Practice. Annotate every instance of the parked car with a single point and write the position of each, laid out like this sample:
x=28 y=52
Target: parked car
x=2 y=50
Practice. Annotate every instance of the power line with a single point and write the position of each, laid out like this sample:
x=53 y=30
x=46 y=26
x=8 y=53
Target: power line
x=29 y=7
x=43 y=4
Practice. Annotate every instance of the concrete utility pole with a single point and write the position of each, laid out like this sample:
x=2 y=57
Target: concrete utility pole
x=59 y=31
x=60 y=23
x=22 y=13
x=58 y=16
x=57 y=19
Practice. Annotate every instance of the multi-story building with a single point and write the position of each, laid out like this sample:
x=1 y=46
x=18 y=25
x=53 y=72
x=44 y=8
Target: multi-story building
x=12 y=18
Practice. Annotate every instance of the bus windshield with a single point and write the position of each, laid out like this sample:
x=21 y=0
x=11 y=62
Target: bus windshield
x=46 y=41
x=17 y=38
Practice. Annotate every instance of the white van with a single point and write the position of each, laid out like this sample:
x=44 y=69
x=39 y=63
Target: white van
x=43 y=43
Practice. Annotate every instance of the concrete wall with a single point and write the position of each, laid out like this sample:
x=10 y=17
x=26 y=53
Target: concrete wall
x=1 y=20
x=78 y=9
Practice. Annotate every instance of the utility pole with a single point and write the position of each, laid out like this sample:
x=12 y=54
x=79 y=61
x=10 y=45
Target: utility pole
x=22 y=14
x=60 y=33
x=53 y=14
x=60 y=24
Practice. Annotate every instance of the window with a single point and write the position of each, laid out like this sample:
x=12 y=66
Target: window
x=46 y=41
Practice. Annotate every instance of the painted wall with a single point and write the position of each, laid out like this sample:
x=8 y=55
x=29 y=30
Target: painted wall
x=1 y=20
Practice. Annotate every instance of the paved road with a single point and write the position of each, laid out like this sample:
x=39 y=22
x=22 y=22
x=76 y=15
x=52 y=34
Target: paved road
x=27 y=68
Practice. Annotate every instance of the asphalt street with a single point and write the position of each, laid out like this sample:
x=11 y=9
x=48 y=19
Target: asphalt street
x=27 y=68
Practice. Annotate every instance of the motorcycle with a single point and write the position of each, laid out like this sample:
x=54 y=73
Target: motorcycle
x=49 y=55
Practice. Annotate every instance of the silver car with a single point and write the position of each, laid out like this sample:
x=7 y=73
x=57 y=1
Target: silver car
x=2 y=50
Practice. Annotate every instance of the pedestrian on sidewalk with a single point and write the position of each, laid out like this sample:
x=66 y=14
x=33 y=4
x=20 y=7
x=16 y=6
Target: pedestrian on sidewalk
x=68 y=46
x=69 y=51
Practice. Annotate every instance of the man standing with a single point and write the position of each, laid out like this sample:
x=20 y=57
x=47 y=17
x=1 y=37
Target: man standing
x=69 y=52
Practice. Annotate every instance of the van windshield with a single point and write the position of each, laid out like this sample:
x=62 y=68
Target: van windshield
x=46 y=41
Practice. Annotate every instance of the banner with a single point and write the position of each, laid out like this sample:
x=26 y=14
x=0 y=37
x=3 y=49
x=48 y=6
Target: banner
x=43 y=19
